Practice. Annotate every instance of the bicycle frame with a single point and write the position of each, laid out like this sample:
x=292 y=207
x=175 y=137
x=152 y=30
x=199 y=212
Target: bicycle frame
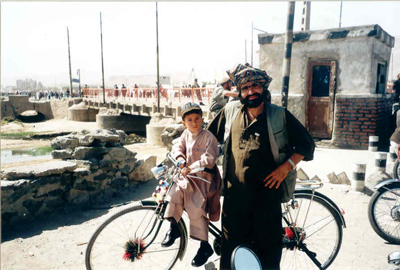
x=290 y=221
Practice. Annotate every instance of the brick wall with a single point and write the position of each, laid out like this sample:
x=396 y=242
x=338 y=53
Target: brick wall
x=358 y=118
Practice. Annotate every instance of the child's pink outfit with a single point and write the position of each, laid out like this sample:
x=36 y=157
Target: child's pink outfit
x=201 y=200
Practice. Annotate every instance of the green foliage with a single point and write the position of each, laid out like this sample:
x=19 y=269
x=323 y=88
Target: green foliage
x=6 y=120
x=19 y=135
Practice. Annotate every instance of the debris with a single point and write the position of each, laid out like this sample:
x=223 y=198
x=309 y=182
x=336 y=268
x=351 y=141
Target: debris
x=81 y=244
x=210 y=266
x=316 y=178
x=333 y=178
x=343 y=179
x=302 y=174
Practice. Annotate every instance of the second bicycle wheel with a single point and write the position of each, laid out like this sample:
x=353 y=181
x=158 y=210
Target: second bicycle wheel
x=384 y=213
x=322 y=234
x=106 y=248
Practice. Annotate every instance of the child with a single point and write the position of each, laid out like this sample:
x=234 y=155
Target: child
x=197 y=148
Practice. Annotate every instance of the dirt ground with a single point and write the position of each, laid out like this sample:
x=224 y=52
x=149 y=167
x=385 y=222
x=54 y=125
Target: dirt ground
x=58 y=240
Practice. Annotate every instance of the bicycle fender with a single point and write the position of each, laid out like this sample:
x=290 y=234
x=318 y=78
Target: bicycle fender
x=147 y=203
x=184 y=239
x=386 y=182
x=329 y=201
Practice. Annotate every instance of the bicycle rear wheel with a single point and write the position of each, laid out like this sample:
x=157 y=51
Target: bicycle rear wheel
x=319 y=228
x=384 y=213
x=106 y=247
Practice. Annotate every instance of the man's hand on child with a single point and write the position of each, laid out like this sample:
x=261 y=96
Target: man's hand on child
x=185 y=171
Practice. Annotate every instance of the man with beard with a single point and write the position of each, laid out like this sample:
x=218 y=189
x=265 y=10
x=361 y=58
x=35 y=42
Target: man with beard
x=263 y=144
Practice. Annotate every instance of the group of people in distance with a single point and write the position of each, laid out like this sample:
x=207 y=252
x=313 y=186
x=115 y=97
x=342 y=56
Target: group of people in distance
x=263 y=143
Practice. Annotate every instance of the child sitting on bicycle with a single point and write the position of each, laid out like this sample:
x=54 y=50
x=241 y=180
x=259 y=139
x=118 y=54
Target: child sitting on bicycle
x=197 y=148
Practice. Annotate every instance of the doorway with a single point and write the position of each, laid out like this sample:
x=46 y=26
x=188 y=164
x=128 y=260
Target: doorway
x=321 y=91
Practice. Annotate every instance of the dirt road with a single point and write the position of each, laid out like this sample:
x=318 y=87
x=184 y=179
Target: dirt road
x=58 y=241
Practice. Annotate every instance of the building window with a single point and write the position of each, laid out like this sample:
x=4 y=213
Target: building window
x=320 y=81
x=380 y=79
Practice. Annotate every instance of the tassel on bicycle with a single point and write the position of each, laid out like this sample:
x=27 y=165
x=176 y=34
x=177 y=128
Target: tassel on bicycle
x=134 y=249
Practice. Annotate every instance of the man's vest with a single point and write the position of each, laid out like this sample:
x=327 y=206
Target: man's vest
x=278 y=137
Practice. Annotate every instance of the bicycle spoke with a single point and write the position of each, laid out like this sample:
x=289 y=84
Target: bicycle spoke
x=107 y=246
x=321 y=231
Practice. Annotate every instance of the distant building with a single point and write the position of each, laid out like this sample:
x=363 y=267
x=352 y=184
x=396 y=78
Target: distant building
x=338 y=81
x=27 y=84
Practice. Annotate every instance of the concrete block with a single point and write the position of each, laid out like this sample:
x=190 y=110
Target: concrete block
x=333 y=178
x=301 y=174
x=316 y=178
x=343 y=179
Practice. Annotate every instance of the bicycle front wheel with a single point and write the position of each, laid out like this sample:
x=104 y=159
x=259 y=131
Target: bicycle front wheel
x=384 y=213
x=318 y=234
x=396 y=169
x=107 y=246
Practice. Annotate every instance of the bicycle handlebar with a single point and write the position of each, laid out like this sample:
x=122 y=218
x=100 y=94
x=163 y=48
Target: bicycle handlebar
x=194 y=171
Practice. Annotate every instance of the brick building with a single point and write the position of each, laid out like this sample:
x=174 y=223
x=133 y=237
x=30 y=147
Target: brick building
x=337 y=82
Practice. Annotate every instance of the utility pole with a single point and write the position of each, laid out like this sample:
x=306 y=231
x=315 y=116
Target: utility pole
x=158 y=64
x=288 y=53
x=79 y=73
x=102 y=61
x=69 y=58
x=340 y=19
x=252 y=43
x=305 y=21
x=245 y=51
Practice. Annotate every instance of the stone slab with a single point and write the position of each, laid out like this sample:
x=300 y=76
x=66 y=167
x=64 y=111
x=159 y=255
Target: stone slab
x=38 y=170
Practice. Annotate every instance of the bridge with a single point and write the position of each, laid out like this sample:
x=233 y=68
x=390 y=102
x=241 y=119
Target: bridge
x=133 y=109
x=138 y=105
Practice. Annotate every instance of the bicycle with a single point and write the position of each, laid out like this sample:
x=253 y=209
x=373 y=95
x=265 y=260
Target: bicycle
x=384 y=210
x=131 y=238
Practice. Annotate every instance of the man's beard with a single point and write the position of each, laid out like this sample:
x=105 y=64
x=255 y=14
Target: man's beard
x=252 y=103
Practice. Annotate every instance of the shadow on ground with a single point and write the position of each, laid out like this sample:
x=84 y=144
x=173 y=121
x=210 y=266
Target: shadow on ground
x=73 y=216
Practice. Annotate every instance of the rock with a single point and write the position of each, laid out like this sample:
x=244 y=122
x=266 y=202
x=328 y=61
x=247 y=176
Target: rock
x=118 y=153
x=62 y=154
x=376 y=178
x=159 y=119
x=143 y=173
x=87 y=153
x=316 y=178
x=176 y=141
x=109 y=137
x=119 y=183
x=11 y=185
x=79 y=197
x=38 y=170
x=47 y=189
x=171 y=133
x=302 y=174
x=343 y=179
x=64 y=142
x=333 y=178
x=100 y=137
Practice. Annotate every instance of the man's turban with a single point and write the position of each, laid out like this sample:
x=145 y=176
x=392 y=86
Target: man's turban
x=242 y=74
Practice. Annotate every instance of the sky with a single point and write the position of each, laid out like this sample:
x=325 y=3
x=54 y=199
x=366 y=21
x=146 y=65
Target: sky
x=207 y=37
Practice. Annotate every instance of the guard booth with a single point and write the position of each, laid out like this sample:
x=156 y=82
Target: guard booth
x=337 y=82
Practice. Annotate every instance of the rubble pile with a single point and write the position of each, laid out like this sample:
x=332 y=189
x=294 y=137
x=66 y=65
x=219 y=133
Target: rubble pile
x=94 y=166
